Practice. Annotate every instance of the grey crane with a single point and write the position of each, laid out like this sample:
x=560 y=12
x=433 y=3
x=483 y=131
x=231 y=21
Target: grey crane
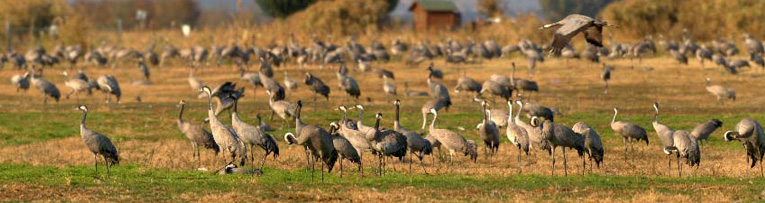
x=357 y=139
x=76 y=85
x=558 y=135
x=522 y=85
x=47 y=89
x=410 y=93
x=98 y=144
x=144 y=69
x=222 y=96
x=109 y=86
x=488 y=132
x=752 y=45
x=388 y=86
x=277 y=91
x=380 y=73
x=436 y=104
x=436 y=73
x=253 y=78
x=722 y=93
x=751 y=135
x=317 y=87
x=539 y=111
x=21 y=82
x=498 y=116
x=290 y=83
x=364 y=129
x=283 y=109
x=344 y=148
x=316 y=140
x=347 y=83
x=536 y=138
x=196 y=134
x=571 y=26
x=252 y=135
x=452 y=141
x=386 y=143
x=680 y=58
x=685 y=146
x=416 y=144
x=517 y=134
x=702 y=54
x=702 y=131
x=224 y=136
x=592 y=142
x=664 y=133
x=605 y=75
x=439 y=91
x=496 y=89
x=194 y=82
x=467 y=84
x=757 y=59
x=630 y=132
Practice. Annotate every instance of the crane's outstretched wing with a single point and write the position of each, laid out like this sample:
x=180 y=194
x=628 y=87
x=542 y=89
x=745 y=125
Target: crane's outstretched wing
x=594 y=35
x=572 y=25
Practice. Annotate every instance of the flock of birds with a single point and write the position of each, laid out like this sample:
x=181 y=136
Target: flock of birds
x=347 y=139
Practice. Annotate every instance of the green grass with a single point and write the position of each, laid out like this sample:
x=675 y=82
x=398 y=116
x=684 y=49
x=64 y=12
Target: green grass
x=150 y=184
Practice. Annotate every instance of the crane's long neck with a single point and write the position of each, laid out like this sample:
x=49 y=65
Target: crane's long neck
x=433 y=122
x=512 y=74
x=82 y=122
x=396 y=117
x=377 y=123
x=180 y=114
x=298 y=123
x=485 y=116
x=520 y=108
x=614 y=119
x=236 y=103
x=510 y=113
x=656 y=115
x=361 y=113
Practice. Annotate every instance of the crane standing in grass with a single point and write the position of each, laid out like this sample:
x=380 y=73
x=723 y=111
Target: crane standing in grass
x=98 y=144
x=196 y=134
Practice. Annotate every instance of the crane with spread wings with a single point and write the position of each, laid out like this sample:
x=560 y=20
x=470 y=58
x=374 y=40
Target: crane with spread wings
x=573 y=25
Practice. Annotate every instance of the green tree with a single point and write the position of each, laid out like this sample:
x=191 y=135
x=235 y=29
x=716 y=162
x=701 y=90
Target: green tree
x=283 y=8
x=557 y=9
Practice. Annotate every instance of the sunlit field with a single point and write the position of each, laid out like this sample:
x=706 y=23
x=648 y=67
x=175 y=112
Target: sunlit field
x=42 y=156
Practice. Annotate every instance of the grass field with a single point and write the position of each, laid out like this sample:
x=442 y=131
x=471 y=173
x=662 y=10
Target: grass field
x=43 y=158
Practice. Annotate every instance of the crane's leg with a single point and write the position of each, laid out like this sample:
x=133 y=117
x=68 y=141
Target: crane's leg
x=379 y=165
x=669 y=165
x=109 y=166
x=606 y=92
x=519 y=159
x=410 y=162
x=252 y=156
x=625 y=149
x=423 y=165
x=552 y=155
x=95 y=159
x=361 y=162
x=565 y=161
x=424 y=117
x=341 y=167
x=679 y=167
x=263 y=161
x=314 y=102
x=322 y=170
x=761 y=174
